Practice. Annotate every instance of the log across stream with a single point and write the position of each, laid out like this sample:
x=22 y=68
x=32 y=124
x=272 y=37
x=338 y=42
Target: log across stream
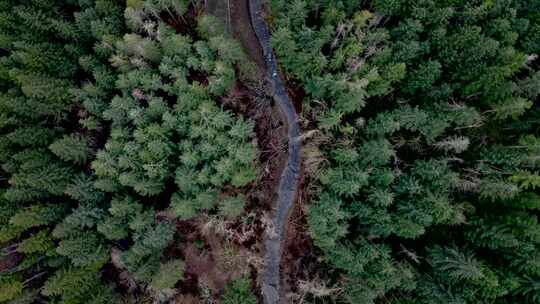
x=288 y=185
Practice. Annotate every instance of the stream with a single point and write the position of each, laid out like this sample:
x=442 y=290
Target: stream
x=288 y=184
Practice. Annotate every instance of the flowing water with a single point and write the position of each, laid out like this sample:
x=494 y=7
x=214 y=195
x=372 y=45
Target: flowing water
x=288 y=185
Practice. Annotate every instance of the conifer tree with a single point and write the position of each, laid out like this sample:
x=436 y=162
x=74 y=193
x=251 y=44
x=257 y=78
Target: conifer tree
x=72 y=148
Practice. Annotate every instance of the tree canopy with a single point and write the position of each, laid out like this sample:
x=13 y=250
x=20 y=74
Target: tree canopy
x=430 y=114
x=131 y=164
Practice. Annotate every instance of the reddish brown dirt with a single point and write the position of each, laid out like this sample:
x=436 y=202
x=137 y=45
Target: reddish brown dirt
x=189 y=233
x=198 y=76
x=9 y=261
x=299 y=258
x=297 y=95
x=186 y=299
x=202 y=250
x=184 y=24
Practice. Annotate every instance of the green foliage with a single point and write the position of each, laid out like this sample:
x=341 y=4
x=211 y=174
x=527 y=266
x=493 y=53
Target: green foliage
x=168 y=275
x=38 y=174
x=139 y=47
x=84 y=249
x=232 y=207
x=122 y=212
x=49 y=49
x=188 y=208
x=42 y=242
x=456 y=265
x=526 y=179
x=326 y=221
x=72 y=148
x=11 y=288
x=170 y=6
x=239 y=291
x=428 y=185
x=78 y=285
x=142 y=259
x=513 y=108
x=82 y=189
x=146 y=158
x=331 y=58
x=31 y=217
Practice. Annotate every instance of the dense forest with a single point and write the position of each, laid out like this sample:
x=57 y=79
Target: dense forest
x=426 y=185
x=140 y=148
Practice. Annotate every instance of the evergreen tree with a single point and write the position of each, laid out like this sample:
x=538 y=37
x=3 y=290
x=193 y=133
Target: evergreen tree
x=72 y=148
x=239 y=291
x=78 y=285
x=168 y=275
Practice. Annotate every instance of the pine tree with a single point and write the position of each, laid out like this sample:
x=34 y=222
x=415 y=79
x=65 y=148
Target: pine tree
x=84 y=249
x=168 y=275
x=239 y=291
x=42 y=242
x=72 y=148
x=33 y=216
x=78 y=285
x=232 y=207
x=458 y=266
x=11 y=288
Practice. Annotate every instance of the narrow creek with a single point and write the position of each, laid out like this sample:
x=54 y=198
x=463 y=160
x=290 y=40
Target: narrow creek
x=288 y=185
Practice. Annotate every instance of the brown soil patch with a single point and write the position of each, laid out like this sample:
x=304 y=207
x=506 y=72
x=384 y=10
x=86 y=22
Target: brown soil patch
x=242 y=30
x=297 y=94
x=298 y=259
x=184 y=24
x=9 y=261
x=213 y=254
